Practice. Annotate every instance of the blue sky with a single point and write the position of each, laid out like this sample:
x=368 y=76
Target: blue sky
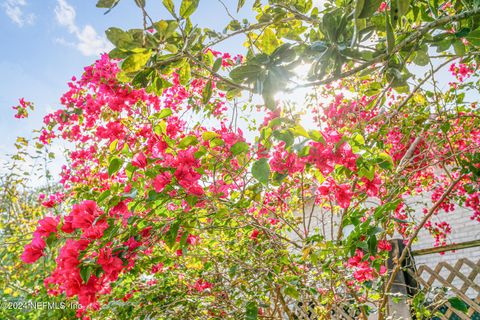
x=47 y=42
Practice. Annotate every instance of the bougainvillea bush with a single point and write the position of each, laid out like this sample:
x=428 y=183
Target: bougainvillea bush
x=184 y=198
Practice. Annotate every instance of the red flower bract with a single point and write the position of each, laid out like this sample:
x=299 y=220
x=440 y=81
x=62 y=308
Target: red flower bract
x=139 y=160
x=34 y=250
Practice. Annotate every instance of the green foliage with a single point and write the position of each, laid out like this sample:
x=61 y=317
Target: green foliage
x=187 y=7
x=261 y=170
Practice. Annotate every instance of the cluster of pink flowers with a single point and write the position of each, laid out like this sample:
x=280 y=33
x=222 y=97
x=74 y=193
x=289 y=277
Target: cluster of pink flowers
x=473 y=202
x=325 y=155
x=341 y=193
x=440 y=231
x=34 y=250
x=461 y=71
x=227 y=59
x=22 y=108
x=202 y=285
x=362 y=270
x=52 y=200
x=285 y=162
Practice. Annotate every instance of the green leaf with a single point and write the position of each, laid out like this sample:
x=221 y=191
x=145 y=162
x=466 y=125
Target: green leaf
x=207 y=92
x=298 y=130
x=359 y=4
x=251 y=312
x=103 y=195
x=85 y=273
x=164 y=113
x=216 y=142
x=107 y=3
x=385 y=161
x=368 y=9
x=459 y=47
x=402 y=7
x=458 y=304
x=240 y=4
x=172 y=234
x=292 y=292
x=187 y=141
x=188 y=7
x=113 y=146
x=285 y=136
x=358 y=138
x=135 y=62
x=169 y=5
x=159 y=85
x=239 y=147
x=268 y=41
x=248 y=72
x=185 y=74
x=209 y=135
x=330 y=26
x=114 y=166
x=421 y=58
x=316 y=136
x=217 y=64
x=390 y=35
x=474 y=37
x=119 y=38
x=261 y=170
x=372 y=244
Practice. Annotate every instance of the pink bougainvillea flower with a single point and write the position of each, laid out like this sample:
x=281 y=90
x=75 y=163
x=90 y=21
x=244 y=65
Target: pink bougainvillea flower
x=34 y=250
x=46 y=226
x=202 y=285
x=384 y=245
x=161 y=181
x=139 y=160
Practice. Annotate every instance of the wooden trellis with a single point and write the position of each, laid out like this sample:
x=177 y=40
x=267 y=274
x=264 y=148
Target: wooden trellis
x=469 y=281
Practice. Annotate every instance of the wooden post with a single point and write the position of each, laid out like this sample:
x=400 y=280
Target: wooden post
x=403 y=286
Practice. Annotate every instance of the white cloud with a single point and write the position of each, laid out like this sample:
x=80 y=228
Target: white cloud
x=88 y=42
x=14 y=10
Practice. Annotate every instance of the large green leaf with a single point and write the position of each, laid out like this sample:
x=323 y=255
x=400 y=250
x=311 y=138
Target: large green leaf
x=187 y=141
x=268 y=41
x=169 y=5
x=207 y=92
x=245 y=72
x=164 y=113
x=239 y=147
x=390 y=34
x=85 y=273
x=261 y=170
x=120 y=38
x=188 y=7
x=251 y=312
x=367 y=8
x=385 y=161
x=474 y=37
x=292 y=292
x=172 y=233
x=185 y=74
x=458 y=304
x=135 y=61
x=402 y=7
x=114 y=165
